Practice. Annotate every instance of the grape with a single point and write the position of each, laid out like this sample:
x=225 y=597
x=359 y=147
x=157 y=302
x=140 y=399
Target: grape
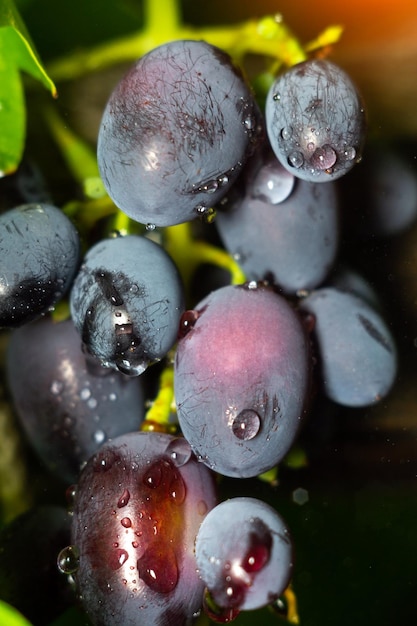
x=67 y=408
x=315 y=120
x=139 y=504
x=29 y=578
x=381 y=195
x=241 y=379
x=357 y=351
x=175 y=133
x=244 y=554
x=126 y=302
x=283 y=232
x=39 y=251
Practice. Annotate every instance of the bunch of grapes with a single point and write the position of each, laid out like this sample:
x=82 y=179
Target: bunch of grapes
x=206 y=175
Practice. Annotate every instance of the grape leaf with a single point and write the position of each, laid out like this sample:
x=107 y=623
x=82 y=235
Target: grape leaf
x=17 y=54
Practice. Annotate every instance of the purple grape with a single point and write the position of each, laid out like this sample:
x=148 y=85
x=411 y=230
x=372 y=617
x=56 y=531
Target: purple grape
x=357 y=351
x=241 y=379
x=315 y=120
x=139 y=504
x=280 y=231
x=67 y=407
x=244 y=554
x=176 y=132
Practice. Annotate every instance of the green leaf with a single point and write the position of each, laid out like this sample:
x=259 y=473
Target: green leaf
x=10 y=616
x=17 y=54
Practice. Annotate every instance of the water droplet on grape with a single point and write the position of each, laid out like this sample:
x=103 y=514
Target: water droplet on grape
x=350 y=153
x=179 y=451
x=99 y=436
x=286 y=133
x=150 y=227
x=323 y=158
x=124 y=499
x=246 y=424
x=159 y=570
x=68 y=560
x=296 y=159
x=118 y=558
x=126 y=522
x=56 y=387
x=276 y=97
x=187 y=321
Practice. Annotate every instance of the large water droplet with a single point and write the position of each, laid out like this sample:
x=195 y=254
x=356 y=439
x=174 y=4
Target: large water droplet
x=323 y=158
x=118 y=558
x=179 y=451
x=272 y=184
x=131 y=368
x=68 y=560
x=286 y=133
x=349 y=153
x=159 y=570
x=126 y=522
x=246 y=424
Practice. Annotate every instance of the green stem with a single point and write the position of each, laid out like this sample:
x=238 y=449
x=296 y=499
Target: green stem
x=162 y=17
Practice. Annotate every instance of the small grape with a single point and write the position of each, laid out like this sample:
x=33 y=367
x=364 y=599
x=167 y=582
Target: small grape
x=315 y=120
x=357 y=351
x=244 y=554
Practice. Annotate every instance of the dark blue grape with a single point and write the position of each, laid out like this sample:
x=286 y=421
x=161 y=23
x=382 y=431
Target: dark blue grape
x=138 y=507
x=126 y=302
x=244 y=554
x=176 y=132
x=39 y=256
x=29 y=578
x=380 y=197
x=67 y=407
x=315 y=120
x=357 y=351
x=242 y=379
x=280 y=231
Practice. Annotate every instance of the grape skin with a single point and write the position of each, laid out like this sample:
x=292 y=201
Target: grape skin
x=176 y=132
x=293 y=243
x=315 y=120
x=126 y=302
x=142 y=498
x=357 y=351
x=39 y=251
x=67 y=407
x=244 y=553
x=243 y=364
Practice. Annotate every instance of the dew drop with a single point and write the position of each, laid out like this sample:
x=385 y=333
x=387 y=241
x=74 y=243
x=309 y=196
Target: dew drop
x=286 y=133
x=349 y=153
x=273 y=184
x=252 y=285
x=187 y=321
x=246 y=424
x=124 y=499
x=323 y=158
x=68 y=560
x=118 y=558
x=130 y=368
x=85 y=393
x=159 y=570
x=150 y=227
x=99 y=436
x=296 y=159
x=310 y=146
x=153 y=476
x=126 y=522
x=179 y=451
x=276 y=97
